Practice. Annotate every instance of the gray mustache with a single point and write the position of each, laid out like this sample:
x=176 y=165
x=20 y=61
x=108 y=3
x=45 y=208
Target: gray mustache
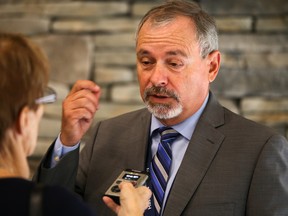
x=161 y=91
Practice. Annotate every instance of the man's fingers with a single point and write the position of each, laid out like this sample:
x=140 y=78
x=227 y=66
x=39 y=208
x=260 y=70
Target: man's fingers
x=85 y=84
x=145 y=195
x=144 y=192
x=80 y=103
x=78 y=110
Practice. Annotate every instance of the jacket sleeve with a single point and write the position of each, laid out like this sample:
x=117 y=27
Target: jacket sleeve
x=268 y=193
x=63 y=174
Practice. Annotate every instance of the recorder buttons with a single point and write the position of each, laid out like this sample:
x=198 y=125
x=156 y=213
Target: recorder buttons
x=115 y=189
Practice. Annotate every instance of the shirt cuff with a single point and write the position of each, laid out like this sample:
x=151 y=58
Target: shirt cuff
x=60 y=150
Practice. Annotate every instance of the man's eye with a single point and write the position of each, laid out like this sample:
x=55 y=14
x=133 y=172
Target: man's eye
x=175 y=64
x=146 y=62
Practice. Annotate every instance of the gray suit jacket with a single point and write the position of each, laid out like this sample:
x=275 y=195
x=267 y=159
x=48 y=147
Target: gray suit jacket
x=232 y=166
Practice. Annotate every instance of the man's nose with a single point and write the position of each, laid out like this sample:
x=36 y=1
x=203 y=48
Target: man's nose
x=159 y=75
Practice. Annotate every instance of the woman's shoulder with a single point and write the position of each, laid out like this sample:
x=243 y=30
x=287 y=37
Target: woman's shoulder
x=59 y=201
x=16 y=196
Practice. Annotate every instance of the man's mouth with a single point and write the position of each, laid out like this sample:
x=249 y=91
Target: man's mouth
x=156 y=98
x=160 y=93
x=160 y=96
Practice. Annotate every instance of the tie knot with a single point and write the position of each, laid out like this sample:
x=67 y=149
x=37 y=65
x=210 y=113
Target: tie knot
x=168 y=134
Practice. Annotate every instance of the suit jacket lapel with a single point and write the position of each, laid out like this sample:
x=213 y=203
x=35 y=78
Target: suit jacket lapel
x=200 y=153
x=139 y=160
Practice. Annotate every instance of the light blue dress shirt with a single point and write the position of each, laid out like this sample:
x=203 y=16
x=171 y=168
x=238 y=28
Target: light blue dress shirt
x=59 y=151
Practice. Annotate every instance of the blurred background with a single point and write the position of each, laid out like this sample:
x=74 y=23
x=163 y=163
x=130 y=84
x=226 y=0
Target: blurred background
x=95 y=40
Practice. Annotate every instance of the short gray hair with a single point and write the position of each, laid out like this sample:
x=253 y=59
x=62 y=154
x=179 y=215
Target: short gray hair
x=206 y=28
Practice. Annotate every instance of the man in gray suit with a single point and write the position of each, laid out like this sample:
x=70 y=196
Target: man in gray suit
x=222 y=163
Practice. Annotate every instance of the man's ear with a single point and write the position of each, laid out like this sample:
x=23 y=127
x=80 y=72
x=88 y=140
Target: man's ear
x=214 y=64
x=23 y=120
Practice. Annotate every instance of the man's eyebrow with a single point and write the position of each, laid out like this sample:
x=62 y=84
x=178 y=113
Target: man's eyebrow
x=142 y=52
x=176 y=52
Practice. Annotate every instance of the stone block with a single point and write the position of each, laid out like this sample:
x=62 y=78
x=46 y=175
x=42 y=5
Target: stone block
x=232 y=60
x=67 y=9
x=270 y=24
x=267 y=60
x=264 y=105
x=86 y=9
x=97 y=25
x=115 y=40
x=109 y=110
x=49 y=128
x=69 y=56
x=128 y=93
x=116 y=57
x=240 y=83
x=257 y=7
x=141 y=8
x=230 y=83
x=26 y=25
x=16 y=8
x=113 y=74
x=234 y=24
x=269 y=119
x=253 y=43
x=269 y=111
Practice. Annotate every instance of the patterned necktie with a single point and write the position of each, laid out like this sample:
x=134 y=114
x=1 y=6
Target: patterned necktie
x=160 y=166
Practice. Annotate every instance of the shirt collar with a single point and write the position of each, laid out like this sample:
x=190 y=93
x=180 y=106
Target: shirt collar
x=185 y=128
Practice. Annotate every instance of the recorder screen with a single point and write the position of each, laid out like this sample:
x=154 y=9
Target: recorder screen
x=131 y=177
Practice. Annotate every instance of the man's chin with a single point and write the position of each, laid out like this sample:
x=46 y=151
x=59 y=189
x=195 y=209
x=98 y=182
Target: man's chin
x=161 y=111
